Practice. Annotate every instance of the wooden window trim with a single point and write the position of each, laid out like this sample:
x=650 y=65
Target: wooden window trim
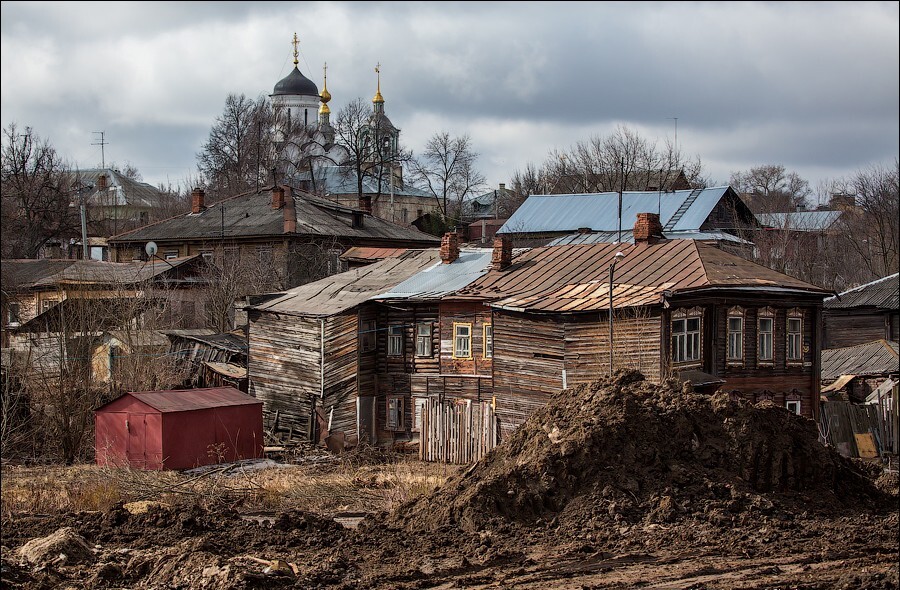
x=427 y=339
x=394 y=331
x=484 y=340
x=454 y=349
x=735 y=312
x=367 y=331
x=793 y=314
x=765 y=313
x=686 y=314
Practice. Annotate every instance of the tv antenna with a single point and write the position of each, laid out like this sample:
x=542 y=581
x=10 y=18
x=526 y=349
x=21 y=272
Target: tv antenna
x=102 y=143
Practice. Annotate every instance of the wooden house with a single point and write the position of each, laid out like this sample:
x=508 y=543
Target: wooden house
x=309 y=350
x=863 y=314
x=677 y=306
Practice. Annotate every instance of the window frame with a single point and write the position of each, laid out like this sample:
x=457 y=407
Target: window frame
x=395 y=337
x=456 y=337
x=738 y=314
x=13 y=313
x=418 y=404
x=795 y=314
x=487 y=339
x=367 y=333
x=395 y=418
x=679 y=339
x=425 y=340
x=768 y=314
x=793 y=402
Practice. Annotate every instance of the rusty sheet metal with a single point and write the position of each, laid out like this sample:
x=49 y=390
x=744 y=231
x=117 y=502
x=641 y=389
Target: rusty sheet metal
x=343 y=291
x=592 y=296
x=194 y=399
x=876 y=358
x=370 y=253
x=675 y=265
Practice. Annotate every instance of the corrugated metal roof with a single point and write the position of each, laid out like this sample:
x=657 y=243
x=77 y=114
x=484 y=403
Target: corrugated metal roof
x=194 y=399
x=252 y=215
x=120 y=191
x=345 y=290
x=883 y=293
x=799 y=220
x=440 y=279
x=628 y=237
x=879 y=357
x=575 y=278
x=600 y=211
x=341 y=180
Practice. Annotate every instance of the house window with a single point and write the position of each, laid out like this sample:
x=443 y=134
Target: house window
x=394 y=418
x=765 y=336
x=419 y=410
x=264 y=254
x=395 y=341
x=357 y=219
x=171 y=254
x=46 y=305
x=735 y=334
x=793 y=406
x=795 y=336
x=462 y=341
x=488 y=341
x=12 y=314
x=367 y=336
x=686 y=336
x=423 y=340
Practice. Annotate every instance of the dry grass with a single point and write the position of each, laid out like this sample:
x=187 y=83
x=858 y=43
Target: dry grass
x=324 y=487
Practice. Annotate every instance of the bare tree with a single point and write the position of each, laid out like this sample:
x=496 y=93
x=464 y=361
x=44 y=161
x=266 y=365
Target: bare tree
x=348 y=126
x=238 y=152
x=771 y=188
x=447 y=168
x=36 y=194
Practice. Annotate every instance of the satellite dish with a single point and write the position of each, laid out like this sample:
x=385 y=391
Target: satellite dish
x=151 y=249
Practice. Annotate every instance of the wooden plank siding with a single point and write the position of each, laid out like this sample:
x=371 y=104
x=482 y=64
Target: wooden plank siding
x=285 y=368
x=636 y=341
x=849 y=328
x=476 y=314
x=340 y=372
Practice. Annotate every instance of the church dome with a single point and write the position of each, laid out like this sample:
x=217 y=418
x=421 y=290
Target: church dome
x=296 y=83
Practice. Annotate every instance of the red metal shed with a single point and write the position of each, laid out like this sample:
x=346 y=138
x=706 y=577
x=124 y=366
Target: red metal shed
x=178 y=429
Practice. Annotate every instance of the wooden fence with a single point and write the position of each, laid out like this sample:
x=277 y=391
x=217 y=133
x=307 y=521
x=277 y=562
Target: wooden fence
x=457 y=431
x=861 y=430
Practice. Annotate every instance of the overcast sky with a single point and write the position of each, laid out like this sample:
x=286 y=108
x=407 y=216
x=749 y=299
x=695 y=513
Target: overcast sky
x=812 y=86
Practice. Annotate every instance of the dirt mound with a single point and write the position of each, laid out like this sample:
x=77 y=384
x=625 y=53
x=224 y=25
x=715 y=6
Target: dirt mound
x=62 y=546
x=623 y=451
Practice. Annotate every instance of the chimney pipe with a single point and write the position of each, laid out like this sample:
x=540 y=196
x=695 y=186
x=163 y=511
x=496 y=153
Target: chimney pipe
x=501 y=257
x=647 y=229
x=449 y=247
x=101 y=182
x=289 y=213
x=198 y=196
x=277 y=197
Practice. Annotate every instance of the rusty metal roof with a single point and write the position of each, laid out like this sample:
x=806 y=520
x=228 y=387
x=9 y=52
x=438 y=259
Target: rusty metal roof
x=345 y=290
x=370 y=253
x=194 y=399
x=883 y=293
x=576 y=278
x=879 y=357
x=35 y=274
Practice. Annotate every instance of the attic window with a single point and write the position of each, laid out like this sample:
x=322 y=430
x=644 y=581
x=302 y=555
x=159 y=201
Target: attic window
x=357 y=220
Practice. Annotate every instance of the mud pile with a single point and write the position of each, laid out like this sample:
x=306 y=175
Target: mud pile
x=624 y=451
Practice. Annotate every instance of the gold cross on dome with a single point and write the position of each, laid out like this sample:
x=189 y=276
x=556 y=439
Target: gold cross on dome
x=295 y=43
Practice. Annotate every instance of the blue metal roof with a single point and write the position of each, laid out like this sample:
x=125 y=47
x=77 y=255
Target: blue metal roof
x=628 y=237
x=341 y=180
x=600 y=211
x=799 y=220
x=440 y=279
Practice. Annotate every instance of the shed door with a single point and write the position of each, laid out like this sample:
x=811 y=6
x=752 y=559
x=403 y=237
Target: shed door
x=136 y=425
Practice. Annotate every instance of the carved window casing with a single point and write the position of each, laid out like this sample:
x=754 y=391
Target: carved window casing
x=794 y=331
x=735 y=329
x=686 y=330
x=765 y=336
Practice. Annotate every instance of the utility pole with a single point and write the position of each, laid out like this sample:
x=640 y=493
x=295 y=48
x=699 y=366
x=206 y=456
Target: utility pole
x=102 y=143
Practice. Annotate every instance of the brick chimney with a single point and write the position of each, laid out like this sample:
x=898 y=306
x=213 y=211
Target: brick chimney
x=288 y=211
x=449 y=247
x=365 y=203
x=647 y=229
x=277 y=197
x=198 y=196
x=101 y=182
x=501 y=257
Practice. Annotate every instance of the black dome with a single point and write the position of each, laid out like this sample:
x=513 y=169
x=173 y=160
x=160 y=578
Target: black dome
x=296 y=83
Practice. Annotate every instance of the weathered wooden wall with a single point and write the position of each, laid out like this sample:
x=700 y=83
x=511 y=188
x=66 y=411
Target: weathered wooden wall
x=339 y=399
x=844 y=328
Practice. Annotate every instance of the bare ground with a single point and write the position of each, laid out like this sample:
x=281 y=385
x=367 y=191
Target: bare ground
x=617 y=484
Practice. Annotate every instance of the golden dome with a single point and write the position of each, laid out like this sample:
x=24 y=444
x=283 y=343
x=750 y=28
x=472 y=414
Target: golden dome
x=325 y=96
x=378 y=98
x=324 y=110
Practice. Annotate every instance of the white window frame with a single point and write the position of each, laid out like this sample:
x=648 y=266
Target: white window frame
x=395 y=341
x=418 y=410
x=171 y=254
x=684 y=339
x=462 y=343
x=424 y=335
x=765 y=338
x=794 y=338
x=792 y=405
x=487 y=334
x=734 y=352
